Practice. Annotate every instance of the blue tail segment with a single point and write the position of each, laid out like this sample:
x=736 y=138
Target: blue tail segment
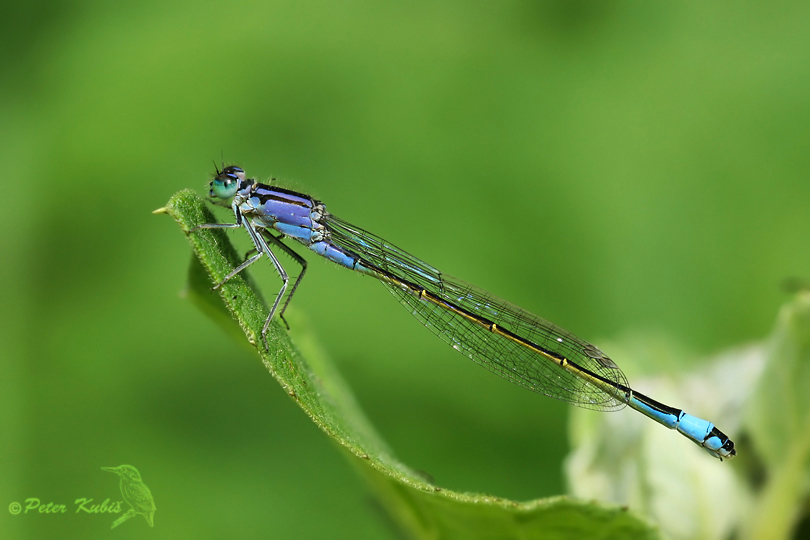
x=701 y=432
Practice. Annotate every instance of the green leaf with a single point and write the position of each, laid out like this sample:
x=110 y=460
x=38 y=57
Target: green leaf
x=421 y=509
x=778 y=419
x=779 y=412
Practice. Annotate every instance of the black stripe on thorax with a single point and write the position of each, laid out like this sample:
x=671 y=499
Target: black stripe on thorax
x=268 y=195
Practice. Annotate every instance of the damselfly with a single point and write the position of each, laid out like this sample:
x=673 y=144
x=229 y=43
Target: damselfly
x=505 y=339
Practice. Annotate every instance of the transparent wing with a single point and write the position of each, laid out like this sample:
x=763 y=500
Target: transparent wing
x=508 y=358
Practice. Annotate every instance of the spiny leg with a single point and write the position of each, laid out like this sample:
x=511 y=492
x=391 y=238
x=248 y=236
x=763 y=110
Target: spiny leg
x=262 y=249
x=284 y=277
x=239 y=269
x=277 y=240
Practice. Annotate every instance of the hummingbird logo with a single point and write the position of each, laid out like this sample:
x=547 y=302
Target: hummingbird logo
x=135 y=494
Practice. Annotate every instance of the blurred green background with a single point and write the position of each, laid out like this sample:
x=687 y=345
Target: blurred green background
x=617 y=168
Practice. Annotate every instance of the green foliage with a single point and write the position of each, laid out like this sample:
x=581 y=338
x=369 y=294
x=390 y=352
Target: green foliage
x=778 y=419
x=615 y=167
x=419 y=507
x=757 y=394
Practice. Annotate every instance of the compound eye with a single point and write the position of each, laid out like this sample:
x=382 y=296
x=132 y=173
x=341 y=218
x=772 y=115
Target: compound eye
x=233 y=170
x=224 y=185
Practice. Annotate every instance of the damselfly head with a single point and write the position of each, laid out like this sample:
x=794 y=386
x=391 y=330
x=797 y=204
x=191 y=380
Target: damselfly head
x=227 y=182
